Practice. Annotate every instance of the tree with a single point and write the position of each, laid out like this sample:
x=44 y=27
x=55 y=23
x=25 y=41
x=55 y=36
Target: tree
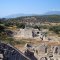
x=21 y=25
x=2 y=28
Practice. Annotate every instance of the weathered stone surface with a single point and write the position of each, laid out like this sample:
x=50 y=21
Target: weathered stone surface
x=30 y=33
x=10 y=53
x=43 y=52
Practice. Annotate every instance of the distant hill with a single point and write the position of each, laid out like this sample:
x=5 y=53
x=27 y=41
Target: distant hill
x=52 y=16
x=18 y=15
x=21 y=14
x=36 y=18
x=53 y=13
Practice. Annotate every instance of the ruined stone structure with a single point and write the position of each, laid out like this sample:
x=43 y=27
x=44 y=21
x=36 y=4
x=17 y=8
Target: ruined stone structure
x=30 y=33
x=44 y=51
x=26 y=33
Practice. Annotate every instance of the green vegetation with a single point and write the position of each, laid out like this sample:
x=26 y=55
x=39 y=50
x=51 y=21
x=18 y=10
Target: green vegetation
x=56 y=29
x=41 y=27
x=21 y=25
x=37 y=27
x=20 y=42
x=2 y=28
x=19 y=22
x=6 y=36
x=43 y=18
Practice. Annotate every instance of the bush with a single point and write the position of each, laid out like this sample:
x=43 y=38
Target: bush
x=21 y=25
x=2 y=28
x=56 y=29
x=41 y=27
x=36 y=27
x=20 y=42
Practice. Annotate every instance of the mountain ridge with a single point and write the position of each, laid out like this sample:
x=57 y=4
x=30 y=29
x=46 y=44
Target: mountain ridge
x=53 y=13
x=21 y=14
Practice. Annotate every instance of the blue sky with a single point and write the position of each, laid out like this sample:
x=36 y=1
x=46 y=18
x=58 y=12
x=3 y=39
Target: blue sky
x=8 y=7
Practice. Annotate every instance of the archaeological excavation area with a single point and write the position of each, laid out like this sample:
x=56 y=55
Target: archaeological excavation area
x=43 y=51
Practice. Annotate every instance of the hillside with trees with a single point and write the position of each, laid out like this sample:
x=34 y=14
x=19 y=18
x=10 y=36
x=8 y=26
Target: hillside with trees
x=7 y=25
x=42 y=18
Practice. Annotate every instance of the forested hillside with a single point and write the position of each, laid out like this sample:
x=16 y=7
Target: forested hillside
x=43 y=18
x=7 y=25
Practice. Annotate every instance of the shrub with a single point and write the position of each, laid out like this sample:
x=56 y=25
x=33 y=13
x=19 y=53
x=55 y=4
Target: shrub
x=56 y=29
x=21 y=25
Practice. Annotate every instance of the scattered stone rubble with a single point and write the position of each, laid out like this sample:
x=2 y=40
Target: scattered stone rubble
x=43 y=52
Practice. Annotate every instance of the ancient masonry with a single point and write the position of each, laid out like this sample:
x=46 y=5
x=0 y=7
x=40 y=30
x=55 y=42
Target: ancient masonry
x=43 y=52
x=29 y=33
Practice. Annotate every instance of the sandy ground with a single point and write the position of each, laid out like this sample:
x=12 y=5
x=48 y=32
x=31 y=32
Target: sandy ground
x=36 y=42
